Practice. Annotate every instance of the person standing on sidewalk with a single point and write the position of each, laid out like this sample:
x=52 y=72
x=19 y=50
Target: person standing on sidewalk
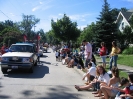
x=87 y=52
x=103 y=51
x=114 y=54
x=3 y=49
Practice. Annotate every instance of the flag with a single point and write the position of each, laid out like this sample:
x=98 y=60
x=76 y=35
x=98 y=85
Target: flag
x=38 y=37
x=25 y=38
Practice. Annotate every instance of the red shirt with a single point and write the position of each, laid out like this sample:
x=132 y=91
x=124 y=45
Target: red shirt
x=127 y=90
x=3 y=49
x=103 y=51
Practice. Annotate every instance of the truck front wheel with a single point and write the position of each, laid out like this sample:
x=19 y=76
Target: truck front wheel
x=4 y=70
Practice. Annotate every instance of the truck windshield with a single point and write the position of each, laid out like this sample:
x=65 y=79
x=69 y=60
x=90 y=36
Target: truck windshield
x=21 y=48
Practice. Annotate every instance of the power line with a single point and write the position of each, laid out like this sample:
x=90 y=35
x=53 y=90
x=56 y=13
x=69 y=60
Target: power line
x=16 y=7
x=5 y=14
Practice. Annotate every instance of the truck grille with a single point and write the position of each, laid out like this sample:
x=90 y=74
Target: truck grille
x=15 y=61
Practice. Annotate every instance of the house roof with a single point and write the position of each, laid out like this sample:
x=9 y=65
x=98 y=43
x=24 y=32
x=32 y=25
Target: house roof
x=127 y=15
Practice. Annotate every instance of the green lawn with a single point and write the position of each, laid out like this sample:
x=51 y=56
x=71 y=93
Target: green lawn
x=125 y=60
x=122 y=59
x=121 y=73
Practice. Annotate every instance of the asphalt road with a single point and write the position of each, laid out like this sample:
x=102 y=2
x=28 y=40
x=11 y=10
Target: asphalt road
x=50 y=80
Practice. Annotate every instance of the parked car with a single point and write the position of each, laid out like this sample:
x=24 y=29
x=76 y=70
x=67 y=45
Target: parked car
x=20 y=56
x=45 y=47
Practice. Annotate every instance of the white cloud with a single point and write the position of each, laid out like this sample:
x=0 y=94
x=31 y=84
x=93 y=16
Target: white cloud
x=12 y=14
x=36 y=8
x=82 y=19
x=41 y=2
x=42 y=5
x=76 y=17
x=82 y=27
x=79 y=17
x=60 y=14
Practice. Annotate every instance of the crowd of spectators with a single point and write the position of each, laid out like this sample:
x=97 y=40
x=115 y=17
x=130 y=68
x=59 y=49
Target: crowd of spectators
x=104 y=84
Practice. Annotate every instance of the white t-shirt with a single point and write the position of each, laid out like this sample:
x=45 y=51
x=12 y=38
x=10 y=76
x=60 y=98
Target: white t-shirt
x=88 y=48
x=105 y=78
x=92 y=71
x=57 y=53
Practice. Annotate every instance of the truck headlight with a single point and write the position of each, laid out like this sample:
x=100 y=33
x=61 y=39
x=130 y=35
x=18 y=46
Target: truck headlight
x=4 y=59
x=27 y=60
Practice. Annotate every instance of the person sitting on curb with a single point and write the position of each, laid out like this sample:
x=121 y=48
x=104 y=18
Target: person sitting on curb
x=67 y=59
x=91 y=74
x=114 y=82
x=80 y=64
x=102 y=77
x=73 y=62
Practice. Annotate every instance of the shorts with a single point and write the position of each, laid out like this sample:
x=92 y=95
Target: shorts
x=91 y=77
x=103 y=59
x=96 y=85
x=69 y=58
x=114 y=92
x=86 y=62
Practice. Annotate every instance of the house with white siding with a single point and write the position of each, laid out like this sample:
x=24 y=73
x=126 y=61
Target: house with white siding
x=123 y=19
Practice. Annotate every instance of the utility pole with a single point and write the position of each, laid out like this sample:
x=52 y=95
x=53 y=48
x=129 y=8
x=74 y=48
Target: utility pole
x=37 y=42
x=34 y=27
x=8 y=43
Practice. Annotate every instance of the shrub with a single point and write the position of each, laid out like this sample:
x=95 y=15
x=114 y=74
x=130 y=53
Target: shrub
x=128 y=50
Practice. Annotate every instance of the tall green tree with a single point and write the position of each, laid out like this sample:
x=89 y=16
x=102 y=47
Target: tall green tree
x=88 y=33
x=131 y=21
x=28 y=23
x=64 y=29
x=125 y=37
x=9 y=23
x=50 y=37
x=8 y=32
x=1 y=26
x=106 y=27
x=128 y=34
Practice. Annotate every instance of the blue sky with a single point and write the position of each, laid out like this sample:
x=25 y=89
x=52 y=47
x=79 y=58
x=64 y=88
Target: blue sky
x=81 y=11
